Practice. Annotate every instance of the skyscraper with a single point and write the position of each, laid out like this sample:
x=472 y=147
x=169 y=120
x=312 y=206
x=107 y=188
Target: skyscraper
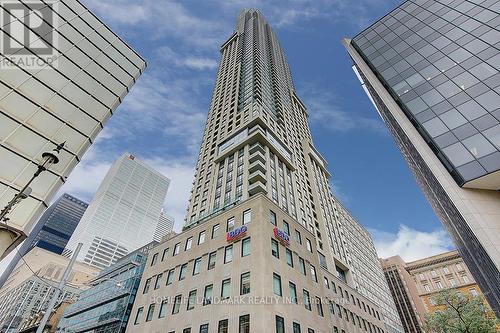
x=262 y=223
x=165 y=226
x=410 y=307
x=431 y=67
x=61 y=83
x=53 y=231
x=123 y=215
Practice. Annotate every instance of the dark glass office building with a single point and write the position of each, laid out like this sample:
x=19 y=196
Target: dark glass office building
x=53 y=230
x=431 y=68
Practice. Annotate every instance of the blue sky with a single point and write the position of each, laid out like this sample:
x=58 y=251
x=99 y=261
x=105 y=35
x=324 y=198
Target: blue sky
x=161 y=120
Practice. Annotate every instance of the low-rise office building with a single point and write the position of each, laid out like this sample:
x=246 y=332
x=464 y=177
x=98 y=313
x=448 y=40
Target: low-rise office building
x=106 y=306
x=241 y=272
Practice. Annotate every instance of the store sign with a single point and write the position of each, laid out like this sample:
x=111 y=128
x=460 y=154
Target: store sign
x=236 y=233
x=281 y=236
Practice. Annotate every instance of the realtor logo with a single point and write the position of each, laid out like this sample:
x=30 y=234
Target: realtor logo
x=27 y=38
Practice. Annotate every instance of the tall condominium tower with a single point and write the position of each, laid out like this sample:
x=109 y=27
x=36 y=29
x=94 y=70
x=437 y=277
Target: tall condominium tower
x=123 y=215
x=62 y=75
x=431 y=67
x=262 y=226
x=53 y=231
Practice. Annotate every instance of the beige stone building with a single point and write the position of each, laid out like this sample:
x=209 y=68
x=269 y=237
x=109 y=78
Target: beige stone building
x=262 y=278
x=25 y=294
x=263 y=231
x=442 y=271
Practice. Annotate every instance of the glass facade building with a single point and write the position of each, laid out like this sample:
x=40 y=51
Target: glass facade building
x=431 y=67
x=67 y=99
x=106 y=306
x=124 y=213
x=53 y=231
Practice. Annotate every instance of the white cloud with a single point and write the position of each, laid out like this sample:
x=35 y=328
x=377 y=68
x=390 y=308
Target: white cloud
x=200 y=63
x=168 y=55
x=411 y=244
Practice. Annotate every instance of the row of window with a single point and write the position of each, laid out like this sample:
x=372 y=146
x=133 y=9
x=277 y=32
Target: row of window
x=188 y=244
x=275 y=251
x=222 y=327
x=212 y=259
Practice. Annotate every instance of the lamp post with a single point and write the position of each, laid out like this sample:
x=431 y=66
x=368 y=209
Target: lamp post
x=10 y=237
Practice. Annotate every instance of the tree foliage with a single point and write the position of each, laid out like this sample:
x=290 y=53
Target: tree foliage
x=459 y=313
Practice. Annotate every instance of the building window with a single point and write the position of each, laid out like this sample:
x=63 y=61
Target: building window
x=307 y=300
x=196 y=266
x=308 y=245
x=204 y=328
x=177 y=248
x=151 y=311
x=459 y=267
x=201 y=237
x=230 y=224
x=310 y=330
x=163 y=309
x=433 y=273
x=446 y=270
x=170 y=276
x=215 y=231
x=272 y=217
x=439 y=285
x=186 y=330
x=296 y=327
x=286 y=227
x=247 y=216
x=182 y=272
x=207 y=295
x=331 y=307
x=302 y=266
x=426 y=288
x=473 y=292
x=422 y=276
x=228 y=254
x=465 y=278
x=223 y=326
x=138 y=316
x=154 y=259
x=226 y=289
x=191 y=300
x=165 y=254
x=292 y=289
x=245 y=247
x=289 y=257
x=319 y=306
x=158 y=280
x=146 y=286
x=275 y=248
x=177 y=304
x=189 y=243
x=313 y=274
x=244 y=324
x=298 y=237
x=325 y=280
x=245 y=283
x=277 y=284
x=211 y=260
x=280 y=324
x=452 y=282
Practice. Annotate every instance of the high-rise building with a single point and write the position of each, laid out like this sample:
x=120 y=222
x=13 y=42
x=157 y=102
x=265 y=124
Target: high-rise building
x=29 y=288
x=431 y=68
x=164 y=227
x=106 y=305
x=123 y=215
x=60 y=83
x=442 y=271
x=52 y=231
x=262 y=224
x=410 y=307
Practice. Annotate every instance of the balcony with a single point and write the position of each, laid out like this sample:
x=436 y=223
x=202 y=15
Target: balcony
x=257 y=187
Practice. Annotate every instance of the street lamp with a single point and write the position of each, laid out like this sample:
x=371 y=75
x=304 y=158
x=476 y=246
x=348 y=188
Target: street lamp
x=10 y=237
